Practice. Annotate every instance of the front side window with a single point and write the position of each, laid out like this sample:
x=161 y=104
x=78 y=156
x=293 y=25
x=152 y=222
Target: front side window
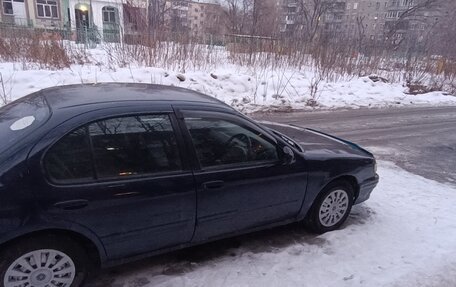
x=221 y=142
x=47 y=8
x=115 y=148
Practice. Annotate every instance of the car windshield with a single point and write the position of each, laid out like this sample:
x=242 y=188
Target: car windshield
x=17 y=119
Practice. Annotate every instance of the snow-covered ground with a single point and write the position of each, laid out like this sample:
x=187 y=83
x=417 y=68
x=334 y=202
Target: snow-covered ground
x=404 y=236
x=244 y=88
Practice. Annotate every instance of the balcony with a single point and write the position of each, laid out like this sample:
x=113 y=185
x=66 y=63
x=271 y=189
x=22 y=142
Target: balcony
x=13 y=21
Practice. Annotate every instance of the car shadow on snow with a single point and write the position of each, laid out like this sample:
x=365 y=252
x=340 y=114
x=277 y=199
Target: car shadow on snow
x=190 y=259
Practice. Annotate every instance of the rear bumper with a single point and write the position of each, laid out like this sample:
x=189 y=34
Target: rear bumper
x=366 y=188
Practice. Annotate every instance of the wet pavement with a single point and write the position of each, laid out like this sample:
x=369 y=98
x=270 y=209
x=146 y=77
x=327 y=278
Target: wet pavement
x=420 y=140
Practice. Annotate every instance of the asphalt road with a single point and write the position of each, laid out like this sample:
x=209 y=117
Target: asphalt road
x=421 y=140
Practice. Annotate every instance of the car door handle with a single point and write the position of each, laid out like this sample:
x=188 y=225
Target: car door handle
x=213 y=184
x=72 y=204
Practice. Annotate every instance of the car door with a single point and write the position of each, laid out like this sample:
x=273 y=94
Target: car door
x=123 y=177
x=242 y=183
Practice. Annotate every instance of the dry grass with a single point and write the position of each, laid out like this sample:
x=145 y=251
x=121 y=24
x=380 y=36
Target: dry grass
x=327 y=61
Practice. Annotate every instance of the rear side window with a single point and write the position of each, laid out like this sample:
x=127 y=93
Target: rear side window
x=134 y=146
x=70 y=159
x=115 y=148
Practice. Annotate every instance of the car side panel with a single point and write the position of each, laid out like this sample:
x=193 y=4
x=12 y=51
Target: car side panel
x=323 y=170
x=16 y=200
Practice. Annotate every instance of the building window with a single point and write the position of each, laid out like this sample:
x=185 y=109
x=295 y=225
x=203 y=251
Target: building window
x=407 y=3
x=8 y=7
x=109 y=15
x=292 y=9
x=47 y=9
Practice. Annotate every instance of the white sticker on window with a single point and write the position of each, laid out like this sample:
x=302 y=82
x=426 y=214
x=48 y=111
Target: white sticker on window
x=22 y=123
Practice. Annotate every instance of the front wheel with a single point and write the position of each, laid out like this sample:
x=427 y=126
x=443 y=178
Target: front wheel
x=43 y=261
x=331 y=208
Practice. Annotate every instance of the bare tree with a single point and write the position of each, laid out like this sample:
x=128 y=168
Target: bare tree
x=177 y=19
x=264 y=17
x=237 y=13
x=360 y=32
x=443 y=34
x=310 y=16
x=412 y=10
x=156 y=11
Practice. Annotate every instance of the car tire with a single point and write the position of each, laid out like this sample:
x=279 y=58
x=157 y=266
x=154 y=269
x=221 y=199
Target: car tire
x=331 y=208
x=62 y=261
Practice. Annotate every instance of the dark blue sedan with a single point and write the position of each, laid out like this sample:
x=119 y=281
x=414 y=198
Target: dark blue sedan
x=97 y=175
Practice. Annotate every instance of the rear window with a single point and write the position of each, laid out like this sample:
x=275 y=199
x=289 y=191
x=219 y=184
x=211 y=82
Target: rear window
x=20 y=118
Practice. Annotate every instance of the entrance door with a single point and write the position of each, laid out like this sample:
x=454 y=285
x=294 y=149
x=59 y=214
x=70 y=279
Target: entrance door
x=20 y=15
x=82 y=24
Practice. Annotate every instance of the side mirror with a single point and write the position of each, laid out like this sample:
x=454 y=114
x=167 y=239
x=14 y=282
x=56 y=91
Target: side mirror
x=288 y=155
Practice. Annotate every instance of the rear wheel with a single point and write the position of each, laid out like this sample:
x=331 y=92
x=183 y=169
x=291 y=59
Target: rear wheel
x=331 y=208
x=44 y=261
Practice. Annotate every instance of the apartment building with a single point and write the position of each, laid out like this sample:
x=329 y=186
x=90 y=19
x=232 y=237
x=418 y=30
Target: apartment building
x=176 y=15
x=289 y=23
x=371 y=20
x=333 y=19
x=99 y=17
x=365 y=18
x=196 y=17
x=399 y=24
x=206 y=18
x=32 y=13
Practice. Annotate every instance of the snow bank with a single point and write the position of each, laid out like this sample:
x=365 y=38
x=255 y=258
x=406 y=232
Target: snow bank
x=403 y=236
x=245 y=89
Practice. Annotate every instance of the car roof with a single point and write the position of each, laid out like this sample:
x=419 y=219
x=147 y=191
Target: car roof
x=89 y=94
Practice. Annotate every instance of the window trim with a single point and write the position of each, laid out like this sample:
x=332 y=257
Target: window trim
x=111 y=11
x=3 y=8
x=57 y=5
x=219 y=115
x=185 y=169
